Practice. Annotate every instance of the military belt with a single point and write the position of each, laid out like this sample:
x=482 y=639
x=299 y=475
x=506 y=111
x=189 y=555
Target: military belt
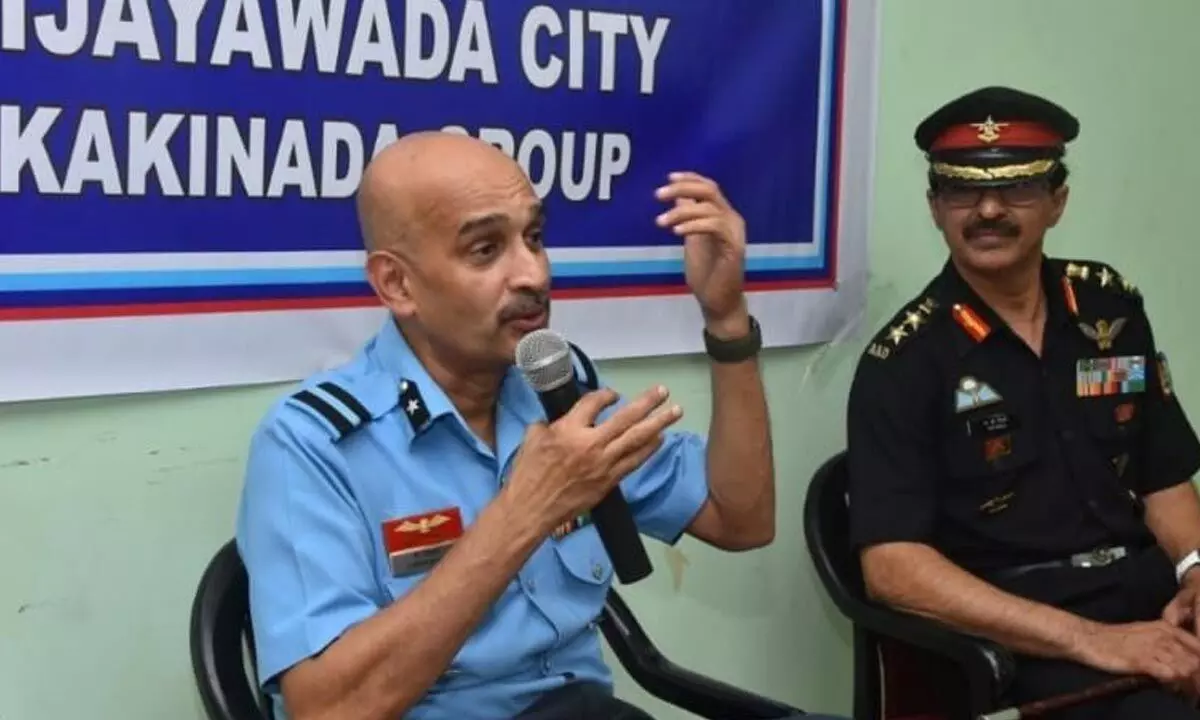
x=1097 y=557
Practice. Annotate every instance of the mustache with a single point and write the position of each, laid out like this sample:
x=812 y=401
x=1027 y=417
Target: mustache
x=525 y=306
x=992 y=227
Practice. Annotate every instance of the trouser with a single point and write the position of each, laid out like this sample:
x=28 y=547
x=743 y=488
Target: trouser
x=589 y=701
x=1131 y=590
x=582 y=701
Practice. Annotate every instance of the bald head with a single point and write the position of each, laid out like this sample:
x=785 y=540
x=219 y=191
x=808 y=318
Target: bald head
x=426 y=176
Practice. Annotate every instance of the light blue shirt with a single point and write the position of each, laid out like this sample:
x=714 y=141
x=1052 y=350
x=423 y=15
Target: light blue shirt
x=376 y=439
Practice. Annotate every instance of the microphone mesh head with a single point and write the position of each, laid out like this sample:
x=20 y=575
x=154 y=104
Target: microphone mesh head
x=545 y=358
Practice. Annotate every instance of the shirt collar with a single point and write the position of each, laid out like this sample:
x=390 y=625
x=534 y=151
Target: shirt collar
x=423 y=400
x=977 y=322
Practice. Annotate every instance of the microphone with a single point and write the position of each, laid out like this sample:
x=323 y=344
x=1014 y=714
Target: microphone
x=544 y=357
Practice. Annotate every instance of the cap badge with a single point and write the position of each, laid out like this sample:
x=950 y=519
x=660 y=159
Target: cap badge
x=989 y=130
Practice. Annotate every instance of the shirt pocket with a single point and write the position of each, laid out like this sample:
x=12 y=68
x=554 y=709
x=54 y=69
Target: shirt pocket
x=1114 y=420
x=1115 y=423
x=586 y=571
x=985 y=471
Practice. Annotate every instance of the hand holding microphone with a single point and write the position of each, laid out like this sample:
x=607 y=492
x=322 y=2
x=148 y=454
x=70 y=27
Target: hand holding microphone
x=572 y=465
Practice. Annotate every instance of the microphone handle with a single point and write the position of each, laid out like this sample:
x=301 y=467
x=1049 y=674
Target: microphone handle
x=619 y=533
x=612 y=516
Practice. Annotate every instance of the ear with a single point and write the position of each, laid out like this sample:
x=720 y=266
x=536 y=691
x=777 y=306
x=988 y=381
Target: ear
x=1059 y=206
x=390 y=278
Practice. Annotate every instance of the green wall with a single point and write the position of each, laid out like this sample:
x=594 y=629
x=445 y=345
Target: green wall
x=110 y=508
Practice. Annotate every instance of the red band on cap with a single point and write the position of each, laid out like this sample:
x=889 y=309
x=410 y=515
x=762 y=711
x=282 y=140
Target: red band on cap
x=990 y=133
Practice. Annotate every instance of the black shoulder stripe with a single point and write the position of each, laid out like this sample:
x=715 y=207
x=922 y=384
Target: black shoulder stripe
x=592 y=381
x=325 y=410
x=348 y=400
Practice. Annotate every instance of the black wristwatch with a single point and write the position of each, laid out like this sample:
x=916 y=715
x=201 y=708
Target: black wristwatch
x=737 y=349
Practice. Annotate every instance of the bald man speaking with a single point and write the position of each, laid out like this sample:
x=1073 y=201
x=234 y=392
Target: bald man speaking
x=415 y=531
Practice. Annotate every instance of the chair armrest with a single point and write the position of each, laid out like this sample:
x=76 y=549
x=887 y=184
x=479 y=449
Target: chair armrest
x=683 y=688
x=989 y=667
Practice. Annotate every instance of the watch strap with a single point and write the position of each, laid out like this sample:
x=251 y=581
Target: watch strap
x=1188 y=562
x=735 y=349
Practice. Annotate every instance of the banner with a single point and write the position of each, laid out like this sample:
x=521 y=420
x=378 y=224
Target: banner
x=177 y=176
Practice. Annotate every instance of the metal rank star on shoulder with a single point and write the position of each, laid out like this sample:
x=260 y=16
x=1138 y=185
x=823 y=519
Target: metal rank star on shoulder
x=903 y=326
x=1103 y=275
x=413 y=405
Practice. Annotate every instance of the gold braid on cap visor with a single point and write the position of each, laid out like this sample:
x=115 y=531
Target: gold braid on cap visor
x=1001 y=172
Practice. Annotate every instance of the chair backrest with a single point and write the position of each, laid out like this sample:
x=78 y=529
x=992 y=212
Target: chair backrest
x=827 y=532
x=220 y=637
x=891 y=678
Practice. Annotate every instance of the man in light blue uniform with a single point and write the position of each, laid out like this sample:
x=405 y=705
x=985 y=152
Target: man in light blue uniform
x=415 y=534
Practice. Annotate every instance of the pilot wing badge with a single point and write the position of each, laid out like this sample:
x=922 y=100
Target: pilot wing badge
x=416 y=543
x=1103 y=333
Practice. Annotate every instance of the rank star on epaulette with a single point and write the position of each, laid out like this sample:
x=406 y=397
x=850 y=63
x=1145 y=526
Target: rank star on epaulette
x=1104 y=276
x=906 y=324
x=413 y=405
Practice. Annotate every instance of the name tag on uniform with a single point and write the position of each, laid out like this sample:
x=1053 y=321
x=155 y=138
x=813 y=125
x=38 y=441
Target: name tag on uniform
x=416 y=543
x=1097 y=377
x=996 y=423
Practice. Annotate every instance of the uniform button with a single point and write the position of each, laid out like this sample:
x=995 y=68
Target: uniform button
x=546 y=666
x=531 y=586
x=597 y=571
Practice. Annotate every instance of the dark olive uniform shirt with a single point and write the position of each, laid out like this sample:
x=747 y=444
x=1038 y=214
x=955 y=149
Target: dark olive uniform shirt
x=961 y=437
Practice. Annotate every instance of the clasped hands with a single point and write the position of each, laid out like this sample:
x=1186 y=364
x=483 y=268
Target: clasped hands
x=1167 y=649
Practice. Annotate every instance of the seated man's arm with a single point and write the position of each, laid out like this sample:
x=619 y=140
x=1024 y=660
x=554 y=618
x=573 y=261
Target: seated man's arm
x=319 y=627
x=892 y=435
x=1170 y=458
x=739 y=513
x=719 y=489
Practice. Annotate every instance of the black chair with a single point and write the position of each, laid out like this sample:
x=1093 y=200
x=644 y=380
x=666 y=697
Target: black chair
x=222 y=648
x=905 y=666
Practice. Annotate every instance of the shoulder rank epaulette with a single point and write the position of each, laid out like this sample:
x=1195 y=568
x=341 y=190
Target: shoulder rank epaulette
x=333 y=407
x=414 y=406
x=1099 y=275
x=905 y=325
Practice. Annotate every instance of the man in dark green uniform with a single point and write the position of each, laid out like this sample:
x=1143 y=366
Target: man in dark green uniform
x=1020 y=463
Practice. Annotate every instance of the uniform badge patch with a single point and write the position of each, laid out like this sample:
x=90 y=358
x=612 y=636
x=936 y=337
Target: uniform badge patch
x=416 y=543
x=1103 y=332
x=1164 y=375
x=997 y=447
x=570 y=526
x=997 y=504
x=970 y=321
x=973 y=394
x=1097 y=377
